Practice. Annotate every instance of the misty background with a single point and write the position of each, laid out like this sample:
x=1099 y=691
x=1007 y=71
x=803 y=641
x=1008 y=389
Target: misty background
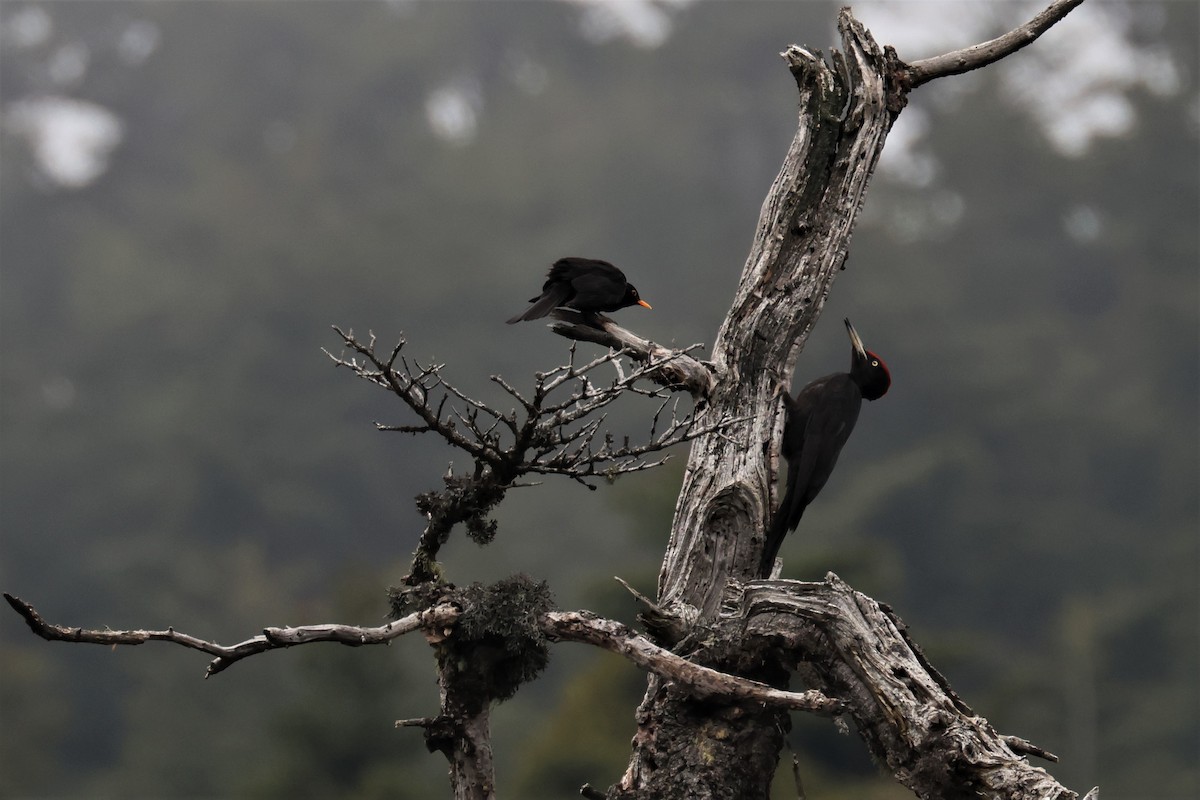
x=191 y=194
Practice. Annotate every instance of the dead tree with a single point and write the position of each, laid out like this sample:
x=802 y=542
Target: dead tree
x=720 y=646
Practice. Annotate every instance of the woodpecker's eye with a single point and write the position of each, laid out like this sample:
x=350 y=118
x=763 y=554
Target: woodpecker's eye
x=874 y=363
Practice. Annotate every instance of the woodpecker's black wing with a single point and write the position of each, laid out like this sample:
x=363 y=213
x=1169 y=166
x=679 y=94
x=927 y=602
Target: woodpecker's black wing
x=819 y=421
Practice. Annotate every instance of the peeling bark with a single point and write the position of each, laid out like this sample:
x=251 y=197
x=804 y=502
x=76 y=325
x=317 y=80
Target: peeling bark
x=801 y=243
x=911 y=720
x=854 y=648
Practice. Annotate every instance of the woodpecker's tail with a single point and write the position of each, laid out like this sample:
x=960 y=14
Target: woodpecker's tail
x=786 y=519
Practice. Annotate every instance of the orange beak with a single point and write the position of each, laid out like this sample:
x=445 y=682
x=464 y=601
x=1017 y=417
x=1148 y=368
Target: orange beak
x=644 y=304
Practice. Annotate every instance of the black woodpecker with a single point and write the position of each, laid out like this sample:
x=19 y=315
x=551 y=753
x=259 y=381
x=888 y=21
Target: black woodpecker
x=819 y=421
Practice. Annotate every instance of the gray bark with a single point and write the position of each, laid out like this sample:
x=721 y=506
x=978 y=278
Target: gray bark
x=801 y=243
x=851 y=647
x=685 y=749
x=911 y=720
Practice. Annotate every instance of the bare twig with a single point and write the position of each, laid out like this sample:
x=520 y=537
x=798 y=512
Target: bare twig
x=556 y=431
x=641 y=598
x=1026 y=747
x=980 y=55
x=557 y=435
x=800 y=794
x=665 y=627
x=413 y=384
x=434 y=619
x=417 y=722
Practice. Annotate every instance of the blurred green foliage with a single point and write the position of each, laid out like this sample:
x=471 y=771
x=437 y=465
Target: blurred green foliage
x=177 y=451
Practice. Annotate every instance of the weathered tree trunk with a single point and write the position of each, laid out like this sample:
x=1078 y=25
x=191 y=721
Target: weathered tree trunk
x=801 y=243
x=709 y=608
x=685 y=749
x=462 y=733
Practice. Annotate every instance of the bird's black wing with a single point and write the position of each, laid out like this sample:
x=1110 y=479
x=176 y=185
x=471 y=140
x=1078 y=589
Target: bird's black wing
x=554 y=294
x=820 y=420
x=599 y=289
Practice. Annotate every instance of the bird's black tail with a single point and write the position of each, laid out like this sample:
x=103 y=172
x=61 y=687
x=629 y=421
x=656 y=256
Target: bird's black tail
x=784 y=522
x=551 y=299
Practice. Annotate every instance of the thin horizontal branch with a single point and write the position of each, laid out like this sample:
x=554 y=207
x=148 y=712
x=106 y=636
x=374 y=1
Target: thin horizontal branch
x=434 y=619
x=585 y=627
x=670 y=369
x=980 y=55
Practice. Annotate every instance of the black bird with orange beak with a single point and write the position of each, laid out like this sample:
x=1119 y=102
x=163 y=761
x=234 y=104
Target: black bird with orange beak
x=587 y=285
x=819 y=420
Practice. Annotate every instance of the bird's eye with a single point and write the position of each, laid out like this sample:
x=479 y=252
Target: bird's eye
x=874 y=363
